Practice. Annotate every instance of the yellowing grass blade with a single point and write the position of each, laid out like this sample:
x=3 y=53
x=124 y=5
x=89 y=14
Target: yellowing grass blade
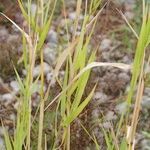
x=61 y=59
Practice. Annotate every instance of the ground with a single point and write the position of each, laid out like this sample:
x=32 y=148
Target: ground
x=115 y=42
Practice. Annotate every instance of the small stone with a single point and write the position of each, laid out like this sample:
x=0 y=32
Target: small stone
x=110 y=116
x=147 y=91
x=33 y=9
x=95 y=113
x=72 y=15
x=7 y=97
x=105 y=56
x=49 y=76
x=13 y=38
x=121 y=108
x=2 y=144
x=52 y=37
x=100 y=97
x=37 y=70
x=16 y=105
x=107 y=125
x=145 y=144
x=50 y=55
x=129 y=15
x=36 y=100
x=124 y=76
x=3 y=33
x=146 y=102
x=105 y=44
x=12 y=117
x=126 y=60
x=15 y=86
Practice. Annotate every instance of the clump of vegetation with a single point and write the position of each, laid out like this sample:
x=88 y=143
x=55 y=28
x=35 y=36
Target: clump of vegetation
x=78 y=60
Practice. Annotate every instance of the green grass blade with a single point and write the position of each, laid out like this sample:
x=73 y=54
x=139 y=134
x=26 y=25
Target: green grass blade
x=79 y=109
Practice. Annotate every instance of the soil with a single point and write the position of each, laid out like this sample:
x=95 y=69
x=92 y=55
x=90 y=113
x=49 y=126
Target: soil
x=112 y=83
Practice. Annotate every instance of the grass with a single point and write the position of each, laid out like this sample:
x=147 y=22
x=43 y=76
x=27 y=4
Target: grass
x=78 y=62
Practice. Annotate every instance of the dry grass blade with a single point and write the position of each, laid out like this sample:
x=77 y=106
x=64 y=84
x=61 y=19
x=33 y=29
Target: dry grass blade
x=61 y=59
x=136 y=112
x=97 y=15
x=89 y=66
x=23 y=32
x=124 y=17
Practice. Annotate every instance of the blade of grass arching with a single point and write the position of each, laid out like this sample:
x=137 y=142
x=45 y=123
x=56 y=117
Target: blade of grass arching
x=45 y=29
x=90 y=66
x=79 y=109
x=22 y=31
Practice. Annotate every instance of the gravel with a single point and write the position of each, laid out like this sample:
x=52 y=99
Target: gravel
x=50 y=55
x=3 y=33
x=37 y=69
x=2 y=144
x=15 y=86
x=121 y=108
x=105 y=44
x=8 y=97
x=52 y=37
x=99 y=98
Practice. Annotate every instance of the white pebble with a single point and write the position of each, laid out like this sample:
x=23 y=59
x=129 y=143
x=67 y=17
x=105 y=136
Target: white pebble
x=46 y=68
x=72 y=16
x=12 y=117
x=49 y=78
x=105 y=44
x=100 y=97
x=52 y=37
x=2 y=144
x=146 y=102
x=8 y=97
x=110 y=116
x=15 y=86
x=16 y=105
x=121 y=108
x=49 y=55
